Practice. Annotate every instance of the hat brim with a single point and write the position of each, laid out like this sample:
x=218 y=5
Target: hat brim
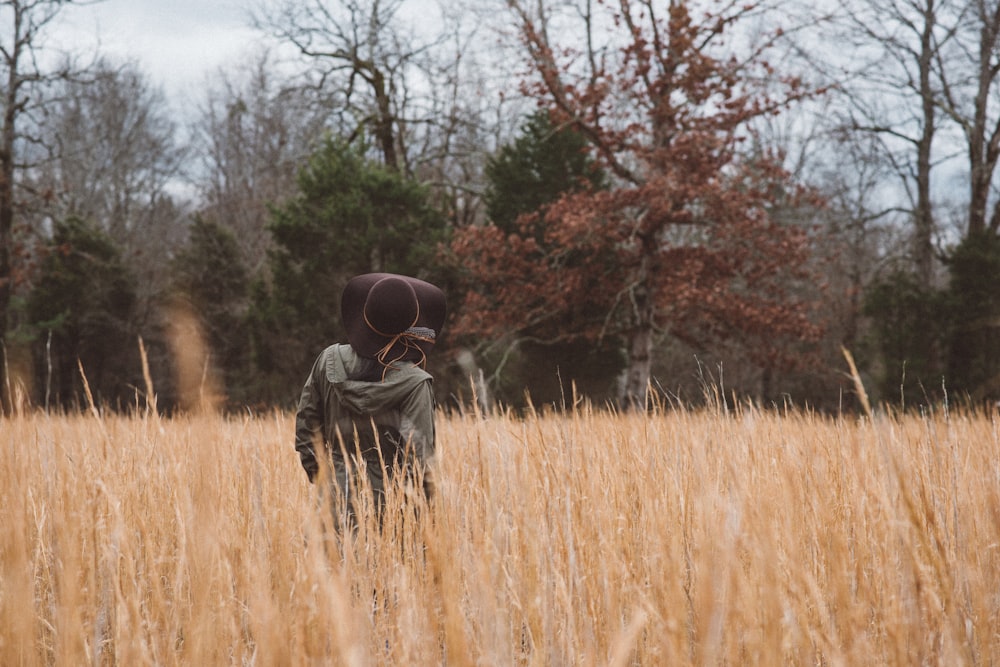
x=369 y=343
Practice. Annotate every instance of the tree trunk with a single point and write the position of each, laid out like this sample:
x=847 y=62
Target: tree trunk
x=982 y=137
x=923 y=248
x=384 y=133
x=640 y=345
x=638 y=371
x=7 y=135
x=979 y=179
x=477 y=381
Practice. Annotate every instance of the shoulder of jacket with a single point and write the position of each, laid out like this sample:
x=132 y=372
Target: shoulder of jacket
x=335 y=361
x=414 y=373
x=330 y=352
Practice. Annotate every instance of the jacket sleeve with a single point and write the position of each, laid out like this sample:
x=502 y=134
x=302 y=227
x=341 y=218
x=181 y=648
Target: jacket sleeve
x=417 y=422
x=309 y=423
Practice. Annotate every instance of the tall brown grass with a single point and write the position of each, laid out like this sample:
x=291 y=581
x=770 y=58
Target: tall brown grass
x=679 y=537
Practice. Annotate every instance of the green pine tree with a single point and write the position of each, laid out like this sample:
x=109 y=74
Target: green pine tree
x=351 y=215
x=542 y=164
x=973 y=299
x=210 y=277
x=908 y=333
x=81 y=309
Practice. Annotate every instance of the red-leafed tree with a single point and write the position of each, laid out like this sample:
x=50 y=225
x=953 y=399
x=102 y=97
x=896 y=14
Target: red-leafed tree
x=686 y=242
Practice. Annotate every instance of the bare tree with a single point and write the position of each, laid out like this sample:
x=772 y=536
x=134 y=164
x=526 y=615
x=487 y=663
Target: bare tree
x=925 y=76
x=21 y=41
x=112 y=151
x=252 y=136
x=898 y=50
x=462 y=108
x=430 y=98
x=969 y=74
x=358 y=49
x=857 y=238
x=924 y=79
x=109 y=154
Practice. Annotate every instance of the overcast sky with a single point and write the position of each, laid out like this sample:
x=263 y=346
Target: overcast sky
x=176 y=42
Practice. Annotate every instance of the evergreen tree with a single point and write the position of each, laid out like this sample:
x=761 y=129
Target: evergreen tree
x=908 y=327
x=931 y=340
x=973 y=299
x=544 y=162
x=210 y=279
x=351 y=215
x=81 y=309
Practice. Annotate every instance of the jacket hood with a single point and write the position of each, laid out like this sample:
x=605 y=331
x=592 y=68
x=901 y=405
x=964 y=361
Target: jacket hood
x=370 y=397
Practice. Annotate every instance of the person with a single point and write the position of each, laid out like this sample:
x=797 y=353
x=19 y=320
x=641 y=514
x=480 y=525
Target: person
x=367 y=407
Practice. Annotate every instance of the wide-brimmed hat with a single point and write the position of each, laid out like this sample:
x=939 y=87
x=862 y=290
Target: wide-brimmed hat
x=390 y=317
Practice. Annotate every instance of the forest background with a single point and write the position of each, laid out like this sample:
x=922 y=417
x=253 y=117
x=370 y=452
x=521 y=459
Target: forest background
x=618 y=197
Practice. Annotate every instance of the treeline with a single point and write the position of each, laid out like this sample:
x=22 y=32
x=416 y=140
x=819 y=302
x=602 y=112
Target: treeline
x=616 y=200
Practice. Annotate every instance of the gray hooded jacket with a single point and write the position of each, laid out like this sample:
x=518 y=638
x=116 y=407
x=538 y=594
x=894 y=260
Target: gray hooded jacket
x=403 y=400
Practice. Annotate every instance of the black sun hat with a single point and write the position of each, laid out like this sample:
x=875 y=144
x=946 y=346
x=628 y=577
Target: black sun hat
x=390 y=317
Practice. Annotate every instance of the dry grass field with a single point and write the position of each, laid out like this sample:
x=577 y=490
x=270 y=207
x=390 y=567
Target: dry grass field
x=681 y=537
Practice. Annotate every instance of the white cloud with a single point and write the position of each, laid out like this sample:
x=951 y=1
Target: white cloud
x=175 y=42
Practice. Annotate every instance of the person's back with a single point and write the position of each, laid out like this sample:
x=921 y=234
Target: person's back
x=367 y=408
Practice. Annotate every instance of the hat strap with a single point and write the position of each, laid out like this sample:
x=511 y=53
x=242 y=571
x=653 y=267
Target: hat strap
x=409 y=340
